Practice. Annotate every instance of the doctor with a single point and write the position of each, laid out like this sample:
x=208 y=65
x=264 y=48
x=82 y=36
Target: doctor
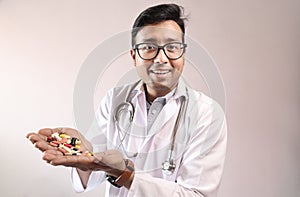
x=157 y=136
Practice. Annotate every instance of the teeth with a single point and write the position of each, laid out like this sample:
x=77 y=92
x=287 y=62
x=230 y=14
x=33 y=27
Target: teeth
x=160 y=72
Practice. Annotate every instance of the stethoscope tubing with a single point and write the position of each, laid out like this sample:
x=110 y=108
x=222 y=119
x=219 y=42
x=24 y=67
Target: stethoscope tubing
x=121 y=107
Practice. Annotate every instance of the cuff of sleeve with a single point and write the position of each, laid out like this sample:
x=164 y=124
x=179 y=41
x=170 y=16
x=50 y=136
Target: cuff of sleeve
x=95 y=179
x=77 y=185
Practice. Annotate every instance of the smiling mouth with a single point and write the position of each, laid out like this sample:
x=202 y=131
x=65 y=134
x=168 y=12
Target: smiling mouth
x=160 y=72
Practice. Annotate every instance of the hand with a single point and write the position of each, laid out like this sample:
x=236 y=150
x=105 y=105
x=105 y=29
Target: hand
x=110 y=161
x=40 y=139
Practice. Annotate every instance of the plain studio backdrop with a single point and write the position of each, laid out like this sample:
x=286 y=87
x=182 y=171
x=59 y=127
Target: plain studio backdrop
x=255 y=44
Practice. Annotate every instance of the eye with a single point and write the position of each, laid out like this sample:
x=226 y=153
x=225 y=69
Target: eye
x=147 y=47
x=173 y=47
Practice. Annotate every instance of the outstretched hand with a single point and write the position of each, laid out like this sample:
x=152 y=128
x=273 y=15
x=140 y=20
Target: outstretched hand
x=110 y=161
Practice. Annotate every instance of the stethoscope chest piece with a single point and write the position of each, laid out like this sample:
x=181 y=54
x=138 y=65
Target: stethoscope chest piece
x=168 y=167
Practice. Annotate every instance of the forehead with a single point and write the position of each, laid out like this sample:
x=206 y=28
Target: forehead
x=160 y=33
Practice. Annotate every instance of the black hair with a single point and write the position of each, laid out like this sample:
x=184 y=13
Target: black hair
x=157 y=14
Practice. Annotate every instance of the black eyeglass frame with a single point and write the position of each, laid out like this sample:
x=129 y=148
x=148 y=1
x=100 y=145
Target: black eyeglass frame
x=182 y=46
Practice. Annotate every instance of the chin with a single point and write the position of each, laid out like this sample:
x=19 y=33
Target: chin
x=163 y=86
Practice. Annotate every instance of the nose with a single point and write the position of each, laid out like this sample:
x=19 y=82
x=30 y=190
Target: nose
x=161 y=57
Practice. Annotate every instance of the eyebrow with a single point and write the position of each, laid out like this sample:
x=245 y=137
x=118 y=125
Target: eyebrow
x=149 y=40
x=152 y=40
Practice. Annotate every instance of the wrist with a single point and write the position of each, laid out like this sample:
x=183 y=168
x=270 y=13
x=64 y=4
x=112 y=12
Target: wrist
x=125 y=178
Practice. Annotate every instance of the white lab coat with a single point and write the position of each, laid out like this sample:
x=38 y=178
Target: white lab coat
x=199 y=152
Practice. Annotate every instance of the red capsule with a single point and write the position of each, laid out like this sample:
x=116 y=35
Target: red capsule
x=56 y=142
x=50 y=139
x=68 y=145
x=53 y=144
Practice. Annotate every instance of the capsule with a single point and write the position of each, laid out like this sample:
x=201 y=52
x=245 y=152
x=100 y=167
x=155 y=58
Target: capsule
x=68 y=145
x=63 y=135
x=75 y=141
x=53 y=144
x=56 y=136
x=66 y=148
x=50 y=139
x=77 y=146
x=75 y=149
x=56 y=142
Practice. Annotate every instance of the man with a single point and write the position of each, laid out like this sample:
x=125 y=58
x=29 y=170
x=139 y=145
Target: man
x=174 y=139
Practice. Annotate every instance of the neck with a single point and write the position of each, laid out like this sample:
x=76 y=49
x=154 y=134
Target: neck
x=152 y=94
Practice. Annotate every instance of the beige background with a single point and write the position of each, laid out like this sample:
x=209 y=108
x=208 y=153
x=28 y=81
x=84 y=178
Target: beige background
x=255 y=44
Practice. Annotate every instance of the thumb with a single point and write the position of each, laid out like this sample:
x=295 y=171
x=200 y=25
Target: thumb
x=98 y=157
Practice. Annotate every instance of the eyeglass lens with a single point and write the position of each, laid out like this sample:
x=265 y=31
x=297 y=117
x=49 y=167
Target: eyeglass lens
x=149 y=51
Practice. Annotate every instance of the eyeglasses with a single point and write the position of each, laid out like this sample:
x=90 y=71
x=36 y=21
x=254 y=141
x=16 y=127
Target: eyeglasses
x=148 y=51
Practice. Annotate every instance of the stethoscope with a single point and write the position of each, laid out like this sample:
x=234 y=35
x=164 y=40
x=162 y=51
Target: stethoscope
x=168 y=167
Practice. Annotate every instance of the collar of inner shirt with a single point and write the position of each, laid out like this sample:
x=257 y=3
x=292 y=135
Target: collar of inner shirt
x=179 y=91
x=163 y=99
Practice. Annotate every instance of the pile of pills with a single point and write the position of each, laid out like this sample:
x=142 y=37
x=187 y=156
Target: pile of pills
x=66 y=144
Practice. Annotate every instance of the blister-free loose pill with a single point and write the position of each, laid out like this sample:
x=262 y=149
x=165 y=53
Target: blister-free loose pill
x=76 y=153
x=77 y=146
x=56 y=136
x=56 y=142
x=87 y=153
x=74 y=141
x=68 y=145
x=66 y=148
x=78 y=142
x=53 y=144
x=63 y=135
x=49 y=139
x=75 y=149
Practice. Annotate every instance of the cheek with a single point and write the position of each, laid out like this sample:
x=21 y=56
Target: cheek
x=142 y=63
x=178 y=64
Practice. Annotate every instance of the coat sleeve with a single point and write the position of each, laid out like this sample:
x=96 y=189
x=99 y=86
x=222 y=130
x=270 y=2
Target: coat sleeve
x=96 y=135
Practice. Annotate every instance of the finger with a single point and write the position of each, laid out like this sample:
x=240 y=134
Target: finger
x=30 y=134
x=111 y=158
x=73 y=161
x=49 y=155
x=46 y=132
x=43 y=146
x=98 y=157
x=49 y=131
x=34 y=137
x=54 y=152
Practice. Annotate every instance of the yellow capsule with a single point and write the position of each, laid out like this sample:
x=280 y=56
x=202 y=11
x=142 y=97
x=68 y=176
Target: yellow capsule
x=63 y=135
x=77 y=146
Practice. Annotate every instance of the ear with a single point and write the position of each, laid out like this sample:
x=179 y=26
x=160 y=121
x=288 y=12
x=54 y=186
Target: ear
x=132 y=54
